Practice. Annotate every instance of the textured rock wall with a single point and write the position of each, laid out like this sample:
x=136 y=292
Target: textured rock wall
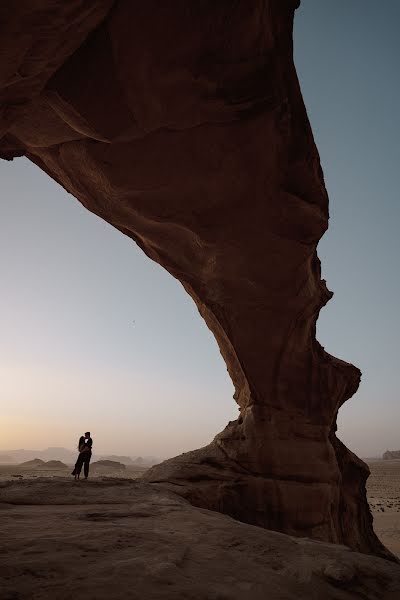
x=182 y=124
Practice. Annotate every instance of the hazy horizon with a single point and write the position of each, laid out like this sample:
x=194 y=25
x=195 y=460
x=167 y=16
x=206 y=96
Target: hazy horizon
x=99 y=453
x=97 y=337
x=57 y=452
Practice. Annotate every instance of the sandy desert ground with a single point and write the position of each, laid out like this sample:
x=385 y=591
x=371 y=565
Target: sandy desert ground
x=116 y=538
x=383 y=489
x=15 y=472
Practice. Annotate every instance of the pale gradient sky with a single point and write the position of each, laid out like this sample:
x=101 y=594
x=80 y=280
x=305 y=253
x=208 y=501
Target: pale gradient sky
x=96 y=336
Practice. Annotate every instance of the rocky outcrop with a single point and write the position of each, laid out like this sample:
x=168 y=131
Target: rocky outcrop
x=182 y=124
x=125 y=460
x=108 y=465
x=33 y=464
x=54 y=464
x=391 y=455
x=38 y=463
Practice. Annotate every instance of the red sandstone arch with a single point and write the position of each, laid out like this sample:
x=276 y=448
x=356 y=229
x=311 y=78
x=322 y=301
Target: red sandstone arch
x=182 y=124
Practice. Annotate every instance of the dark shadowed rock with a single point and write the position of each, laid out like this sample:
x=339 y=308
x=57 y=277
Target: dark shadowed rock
x=182 y=124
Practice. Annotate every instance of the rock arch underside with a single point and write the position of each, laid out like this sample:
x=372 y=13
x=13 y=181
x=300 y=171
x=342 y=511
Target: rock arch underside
x=182 y=124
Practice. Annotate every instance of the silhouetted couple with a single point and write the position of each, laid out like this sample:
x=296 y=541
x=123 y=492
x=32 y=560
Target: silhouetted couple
x=85 y=454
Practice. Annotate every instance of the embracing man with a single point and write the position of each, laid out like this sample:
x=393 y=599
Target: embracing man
x=85 y=454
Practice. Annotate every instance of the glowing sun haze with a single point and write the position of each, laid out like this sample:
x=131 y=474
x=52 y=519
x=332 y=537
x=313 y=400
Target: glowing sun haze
x=96 y=336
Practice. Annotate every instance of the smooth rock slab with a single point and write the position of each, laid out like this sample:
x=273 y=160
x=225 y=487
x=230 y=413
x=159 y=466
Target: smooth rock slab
x=124 y=540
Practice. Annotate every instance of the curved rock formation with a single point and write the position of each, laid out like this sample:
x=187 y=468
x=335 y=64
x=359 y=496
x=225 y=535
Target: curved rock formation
x=182 y=124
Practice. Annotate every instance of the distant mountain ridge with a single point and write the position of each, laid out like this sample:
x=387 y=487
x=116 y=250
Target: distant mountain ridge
x=6 y=459
x=52 y=453
x=391 y=455
x=125 y=460
x=139 y=461
x=69 y=457
x=109 y=464
x=38 y=463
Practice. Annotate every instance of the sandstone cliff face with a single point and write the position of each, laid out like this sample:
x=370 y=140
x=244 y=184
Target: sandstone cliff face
x=182 y=124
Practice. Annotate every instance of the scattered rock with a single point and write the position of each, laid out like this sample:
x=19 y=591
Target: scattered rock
x=339 y=572
x=125 y=460
x=109 y=465
x=33 y=464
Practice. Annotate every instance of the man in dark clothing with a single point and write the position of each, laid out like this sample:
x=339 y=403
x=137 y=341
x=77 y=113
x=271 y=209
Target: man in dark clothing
x=85 y=454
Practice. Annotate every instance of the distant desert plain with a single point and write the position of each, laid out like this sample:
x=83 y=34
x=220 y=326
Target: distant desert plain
x=383 y=490
x=56 y=469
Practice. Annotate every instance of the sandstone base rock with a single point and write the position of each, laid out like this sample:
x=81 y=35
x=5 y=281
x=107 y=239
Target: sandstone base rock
x=121 y=539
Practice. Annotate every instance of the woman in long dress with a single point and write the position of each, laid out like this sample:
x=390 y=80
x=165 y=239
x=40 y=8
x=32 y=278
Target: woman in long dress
x=78 y=465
